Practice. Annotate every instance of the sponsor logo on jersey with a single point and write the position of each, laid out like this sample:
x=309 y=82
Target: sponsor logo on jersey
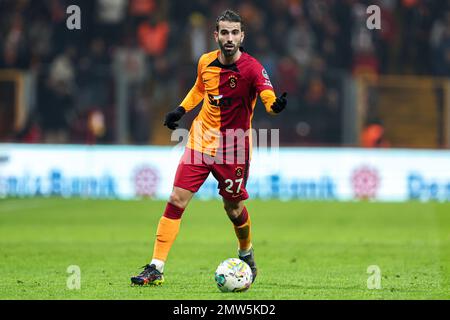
x=219 y=101
x=264 y=73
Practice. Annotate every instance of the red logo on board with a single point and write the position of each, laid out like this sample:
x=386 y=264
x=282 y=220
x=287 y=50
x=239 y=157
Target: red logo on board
x=365 y=182
x=146 y=180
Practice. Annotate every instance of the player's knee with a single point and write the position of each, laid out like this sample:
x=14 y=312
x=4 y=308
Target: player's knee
x=233 y=210
x=178 y=200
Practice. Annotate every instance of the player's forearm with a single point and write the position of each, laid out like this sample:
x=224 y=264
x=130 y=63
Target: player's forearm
x=273 y=104
x=268 y=98
x=193 y=98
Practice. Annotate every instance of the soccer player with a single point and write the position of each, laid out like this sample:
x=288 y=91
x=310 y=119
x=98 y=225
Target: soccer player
x=228 y=81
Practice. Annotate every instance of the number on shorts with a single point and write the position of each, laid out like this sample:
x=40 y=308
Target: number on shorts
x=230 y=184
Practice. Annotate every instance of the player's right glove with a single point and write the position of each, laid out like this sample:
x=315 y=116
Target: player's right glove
x=173 y=116
x=280 y=103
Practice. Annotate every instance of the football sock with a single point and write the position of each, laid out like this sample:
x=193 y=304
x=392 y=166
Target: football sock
x=159 y=264
x=242 y=228
x=167 y=231
x=243 y=253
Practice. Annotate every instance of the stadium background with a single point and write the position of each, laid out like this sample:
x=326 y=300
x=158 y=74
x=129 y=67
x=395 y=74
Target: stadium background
x=368 y=120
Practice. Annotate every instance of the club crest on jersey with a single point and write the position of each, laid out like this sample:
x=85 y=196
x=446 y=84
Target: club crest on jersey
x=232 y=81
x=239 y=171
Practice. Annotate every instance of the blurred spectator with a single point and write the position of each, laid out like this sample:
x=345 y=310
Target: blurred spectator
x=386 y=37
x=372 y=135
x=291 y=72
x=153 y=35
x=141 y=8
x=110 y=15
x=440 y=44
x=62 y=70
x=96 y=126
x=131 y=68
x=40 y=40
x=111 y=12
x=365 y=58
x=31 y=132
x=57 y=102
x=198 y=36
x=301 y=41
x=15 y=47
x=93 y=76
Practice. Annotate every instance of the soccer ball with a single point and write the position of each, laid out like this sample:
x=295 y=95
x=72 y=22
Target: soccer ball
x=233 y=275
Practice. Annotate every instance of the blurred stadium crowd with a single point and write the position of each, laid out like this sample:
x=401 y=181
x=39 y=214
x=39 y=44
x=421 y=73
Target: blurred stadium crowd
x=307 y=46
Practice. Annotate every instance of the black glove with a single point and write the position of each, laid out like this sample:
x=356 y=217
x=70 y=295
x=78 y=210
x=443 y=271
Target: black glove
x=173 y=116
x=280 y=103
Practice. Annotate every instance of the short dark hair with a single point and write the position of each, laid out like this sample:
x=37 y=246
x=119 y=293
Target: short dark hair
x=229 y=15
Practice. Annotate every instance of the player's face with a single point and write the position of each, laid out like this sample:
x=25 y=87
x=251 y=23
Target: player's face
x=229 y=37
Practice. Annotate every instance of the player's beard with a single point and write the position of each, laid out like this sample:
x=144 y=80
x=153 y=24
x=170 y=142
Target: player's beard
x=229 y=53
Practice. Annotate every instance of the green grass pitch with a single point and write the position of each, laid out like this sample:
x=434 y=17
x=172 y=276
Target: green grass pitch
x=304 y=250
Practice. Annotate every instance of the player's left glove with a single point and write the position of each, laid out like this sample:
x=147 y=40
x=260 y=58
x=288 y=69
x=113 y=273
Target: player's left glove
x=280 y=103
x=173 y=116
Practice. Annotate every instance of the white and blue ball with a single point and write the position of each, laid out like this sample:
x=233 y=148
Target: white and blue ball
x=233 y=275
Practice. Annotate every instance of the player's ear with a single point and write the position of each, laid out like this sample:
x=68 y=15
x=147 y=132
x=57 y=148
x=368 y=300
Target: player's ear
x=242 y=36
x=216 y=36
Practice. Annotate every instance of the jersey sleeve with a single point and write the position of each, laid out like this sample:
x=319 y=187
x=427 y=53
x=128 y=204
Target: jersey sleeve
x=196 y=94
x=268 y=98
x=264 y=87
